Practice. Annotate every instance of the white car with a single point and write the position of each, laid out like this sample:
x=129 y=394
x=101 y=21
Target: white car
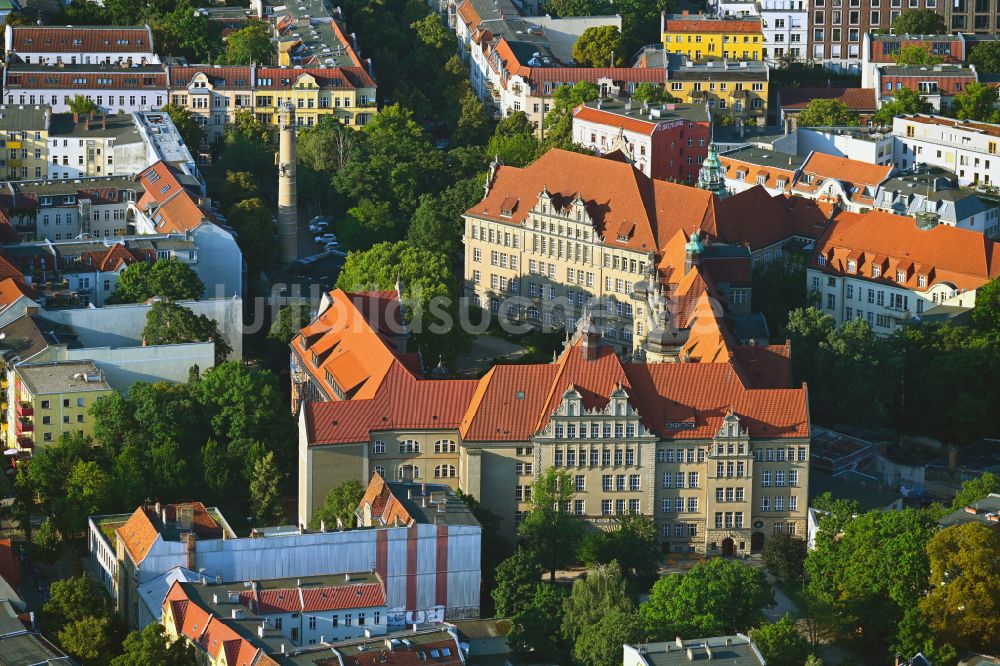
x=330 y=246
x=326 y=238
x=318 y=224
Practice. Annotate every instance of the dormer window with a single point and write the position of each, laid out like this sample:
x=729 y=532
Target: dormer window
x=852 y=266
x=900 y=277
x=876 y=270
x=922 y=281
x=821 y=260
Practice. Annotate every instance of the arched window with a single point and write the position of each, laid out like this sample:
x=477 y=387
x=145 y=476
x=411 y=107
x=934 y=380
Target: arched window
x=378 y=446
x=445 y=472
x=380 y=470
x=409 y=446
x=408 y=472
x=444 y=446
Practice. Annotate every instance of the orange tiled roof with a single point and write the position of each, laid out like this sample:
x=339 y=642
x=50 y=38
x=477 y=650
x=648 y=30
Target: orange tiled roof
x=208 y=632
x=959 y=257
x=860 y=100
x=58 y=39
x=176 y=211
x=858 y=178
x=138 y=534
x=713 y=25
x=967 y=125
x=637 y=124
x=758 y=220
x=12 y=290
x=629 y=210
x=313 y=599
x=385 y=507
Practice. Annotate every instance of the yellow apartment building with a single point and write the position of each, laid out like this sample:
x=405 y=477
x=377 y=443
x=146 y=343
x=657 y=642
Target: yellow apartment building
x=701 y=38
x=24 y=136
x=733 y=88
x=214 y=94
x=45 y=400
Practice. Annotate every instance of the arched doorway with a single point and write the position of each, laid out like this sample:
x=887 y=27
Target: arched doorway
x=756 y=542
x=728 y=547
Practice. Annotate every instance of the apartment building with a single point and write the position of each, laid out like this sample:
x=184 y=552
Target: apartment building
x=933 y=189
x=24 y=132
x=785 y=26
x=770 y=226
x=887 y=268
x=689 y=443
x=738 y=90
x=665 y=142
x=112 y=88
x=848 y=183
x=700 y=38
x=837 y=27
x=966 y=147
x=972 y=16
x=883 y=49
x=56 y=46
x=862 y=144
x=47 y=400
x=936 y=84
x=214 y=94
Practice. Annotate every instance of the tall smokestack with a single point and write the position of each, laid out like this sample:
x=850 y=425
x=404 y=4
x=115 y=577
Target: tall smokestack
x=287 y=210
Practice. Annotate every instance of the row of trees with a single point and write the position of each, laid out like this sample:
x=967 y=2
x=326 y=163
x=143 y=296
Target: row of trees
x=224 y=437
x=79 y=615
x=859 y=378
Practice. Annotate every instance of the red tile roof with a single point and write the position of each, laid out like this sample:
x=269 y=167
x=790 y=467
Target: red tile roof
x=384 y=506
x=313 y=599
x=41 y=77
x=637 y=124
x=12 y=290
x=962 y=258
x=143 y=527
x=534 y=75
x=751 y=173
x=856 y=99
x=859 y=179
x=757 y=220
x=59 y=39
x=628 y=209
x=340 y=78
x=172 y=208
x=966 y=125
x=10 y=566
x=208 y=632
x=713 y=25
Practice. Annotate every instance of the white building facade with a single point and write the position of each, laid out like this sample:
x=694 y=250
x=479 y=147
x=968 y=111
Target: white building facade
x=785 y=24
x=968 y=148
x=80 y=45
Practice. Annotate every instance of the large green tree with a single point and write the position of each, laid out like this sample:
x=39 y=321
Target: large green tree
x=578 y=7
x=339 y=506
x=535 y=631
x=600 y=643
x=182 y=32
x=601 y=591
x=83 y=105
x=558 y=122
x=169 y=323
x=976 y=489
x=250 y=44
x=904 y=101
x=551 y=531
x=72 y=599
x=963 y=604
x=780 y=643
x=265 y=491
x=252 y=219
x=916 y=55
x=514 y=142
x=919 y=22
x=986 y=313
x=986 y=57
x=869 y=588
x=784 y=556
x=634 y=544
x=88 y=639
x=191 y=132
x=720 y=596
x=152 y=647
x=517 y=577
x=599 y=46
x=437 y=224
x=820 y=112
x=977 y=102
x=169 y=279
x=236 y=187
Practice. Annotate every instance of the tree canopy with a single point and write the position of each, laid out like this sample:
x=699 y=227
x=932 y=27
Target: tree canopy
x=986 y=57
x=821 y=112
x=784 y=556
x=916 y=55
x=599 y=46
x=250 y=44
x=437 y=224
x=191 y=132
x=601 y=591
x=83 y=105
x=552 y=532
x=634 y=545
x=976 y=489
x=780 y=643
x=517 y=577
x=252 y=220
x=170 y=279
x=919 y=22
x=976 y=102
x=904 y=101
x=716 y=597
x=339 y=506
x=152 y=647
x=168 y=323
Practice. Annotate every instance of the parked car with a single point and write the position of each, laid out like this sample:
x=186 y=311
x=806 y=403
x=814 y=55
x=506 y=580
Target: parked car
x=330 y=246
x=318 y=224
x=326 y=238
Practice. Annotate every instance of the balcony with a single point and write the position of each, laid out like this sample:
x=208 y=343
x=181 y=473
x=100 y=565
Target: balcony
x=24 y=409
x=25 y=443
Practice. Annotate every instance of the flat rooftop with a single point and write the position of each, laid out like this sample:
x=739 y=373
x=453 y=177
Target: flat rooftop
x=765 y=157
x=24 y=117
x=870 y=493
x=986 y=511
x=62 y=377
x=443 y=506
x=164 y=136
x=731 y=650
x=319 y=38
x=930 y=70
x=120 y=126
x=655 y=114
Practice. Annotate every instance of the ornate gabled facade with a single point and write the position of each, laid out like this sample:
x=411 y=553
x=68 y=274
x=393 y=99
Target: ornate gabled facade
x=714 y=446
